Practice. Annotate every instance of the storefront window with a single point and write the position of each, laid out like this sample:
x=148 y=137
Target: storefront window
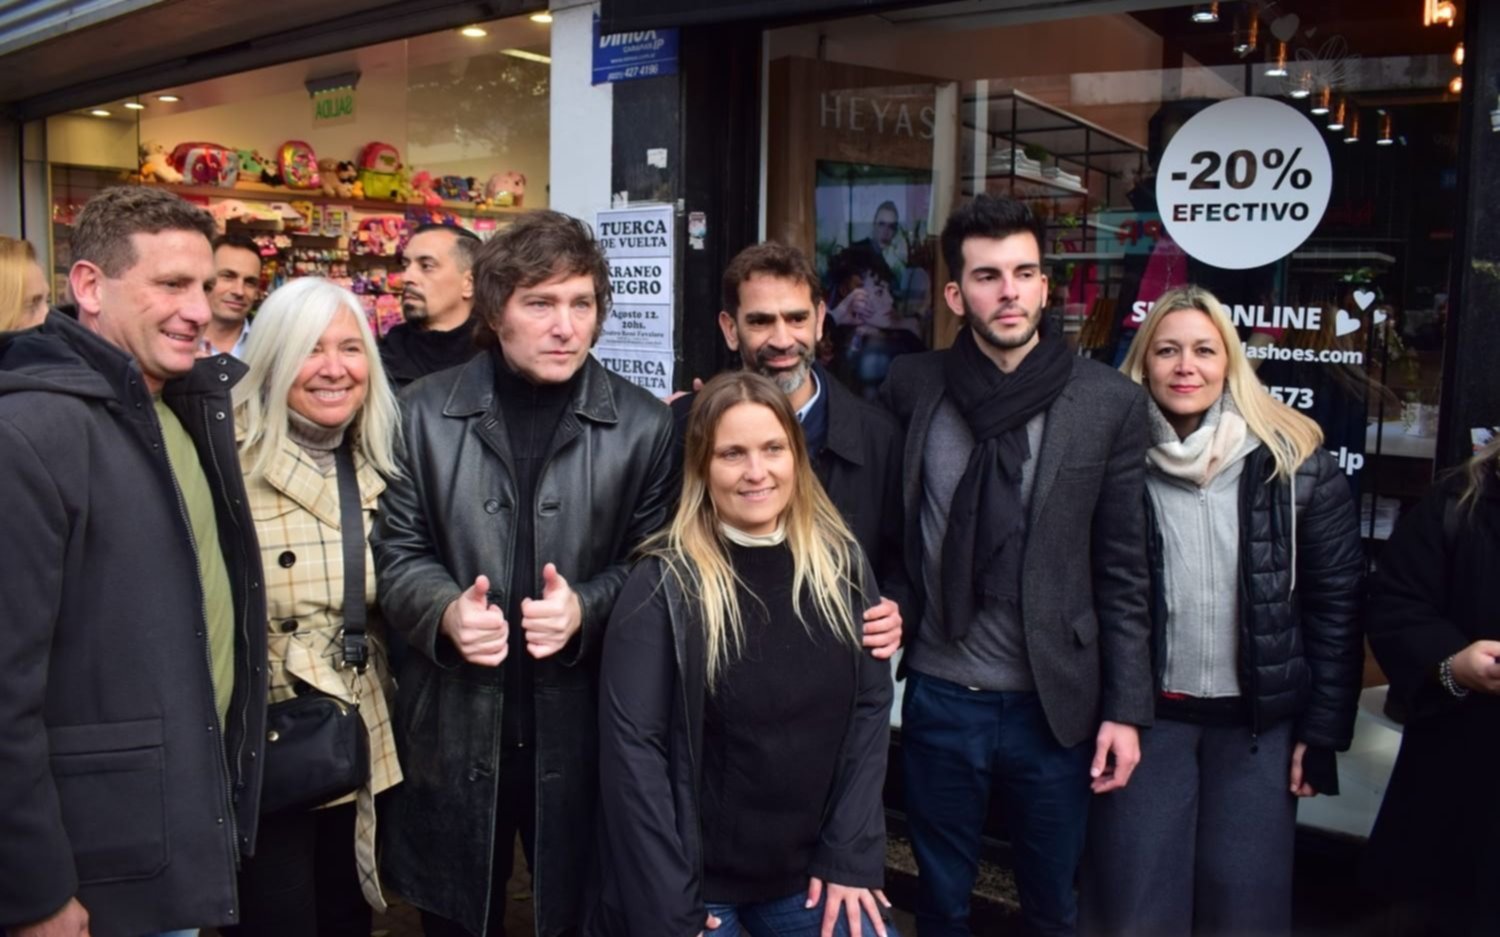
x=449 y=127
x=1320 y=209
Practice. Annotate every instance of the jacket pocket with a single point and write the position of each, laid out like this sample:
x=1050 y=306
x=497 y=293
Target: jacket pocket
x=111 y=784
x=1085 y=628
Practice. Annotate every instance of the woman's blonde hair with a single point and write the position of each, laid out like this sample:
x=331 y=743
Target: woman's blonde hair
x=1291 y=437
x=16 y=258
x=825 y=555
x=1479 y=471
x=287 y=329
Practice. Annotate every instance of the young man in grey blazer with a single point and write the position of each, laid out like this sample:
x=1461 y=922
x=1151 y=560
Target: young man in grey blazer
x=1028 y=662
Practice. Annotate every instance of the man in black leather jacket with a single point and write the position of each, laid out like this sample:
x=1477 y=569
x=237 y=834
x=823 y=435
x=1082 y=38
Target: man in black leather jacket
x=527 y=478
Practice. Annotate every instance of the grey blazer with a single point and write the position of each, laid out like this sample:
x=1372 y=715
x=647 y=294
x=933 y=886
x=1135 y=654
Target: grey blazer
x=1085 y=580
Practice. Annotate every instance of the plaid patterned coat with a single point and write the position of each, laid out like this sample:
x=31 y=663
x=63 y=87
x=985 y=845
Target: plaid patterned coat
x=296 y=512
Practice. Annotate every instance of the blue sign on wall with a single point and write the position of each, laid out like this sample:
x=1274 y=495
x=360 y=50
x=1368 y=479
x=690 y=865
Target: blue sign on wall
x=623 y=56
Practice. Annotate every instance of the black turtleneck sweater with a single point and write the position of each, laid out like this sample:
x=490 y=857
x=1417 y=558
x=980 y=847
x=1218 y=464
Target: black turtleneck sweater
x=409 y=352
x=531 y=413
x=773 y=730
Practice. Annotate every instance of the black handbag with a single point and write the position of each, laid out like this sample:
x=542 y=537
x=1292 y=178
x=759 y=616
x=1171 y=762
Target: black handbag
x=317 y=749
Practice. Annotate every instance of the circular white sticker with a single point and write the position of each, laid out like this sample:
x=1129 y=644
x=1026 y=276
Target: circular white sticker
x=1244 y=183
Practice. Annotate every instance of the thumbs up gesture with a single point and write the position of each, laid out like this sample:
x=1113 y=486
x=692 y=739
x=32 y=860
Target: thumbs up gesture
x=476 y=627
x=553 y=619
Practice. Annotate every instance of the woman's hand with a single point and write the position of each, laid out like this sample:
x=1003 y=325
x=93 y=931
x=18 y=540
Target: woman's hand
x=849 y=901
x=1477 y=667
x=1300 y=787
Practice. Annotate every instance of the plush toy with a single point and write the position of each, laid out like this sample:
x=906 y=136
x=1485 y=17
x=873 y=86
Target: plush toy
x=424 y=187
x=403 y=191
x=476 y=191
x=228 y=210
x=252 y=164
x=330 y=182
x=357 y=190
x=348 y=176
x=506 y=189
x=154 y=164
x=452 y=188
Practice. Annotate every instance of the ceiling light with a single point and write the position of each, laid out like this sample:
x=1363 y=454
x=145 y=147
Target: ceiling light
x=1276 y=61
x=1246 y=38
x=1206 y=13
x=1340 y=113
x=99 y=112
x=1456 y=86
x=1438 y=13
x=473 y=32
x=1303 y=86
x=1352 y=135
x=1458 y=54
x=134 y=106
x=1323 y=103
x=543 y=18
x=1386 y=136
x=168 y=98
x=528 y=56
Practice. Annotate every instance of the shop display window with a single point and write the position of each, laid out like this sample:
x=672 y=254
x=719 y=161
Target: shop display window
x=329 y=163
x=879 y=125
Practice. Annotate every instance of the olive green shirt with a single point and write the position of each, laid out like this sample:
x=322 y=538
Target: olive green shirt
x=218 y=600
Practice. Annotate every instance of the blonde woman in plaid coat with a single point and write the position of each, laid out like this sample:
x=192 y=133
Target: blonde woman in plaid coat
x=315 y=382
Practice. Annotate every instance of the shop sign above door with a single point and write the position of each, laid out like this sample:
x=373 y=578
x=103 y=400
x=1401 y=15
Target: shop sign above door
x=1244 y=183
x=624 y=56
x=334 y=106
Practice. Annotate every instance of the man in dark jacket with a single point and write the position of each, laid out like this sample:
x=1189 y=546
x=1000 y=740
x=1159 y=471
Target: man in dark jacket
x=527 y=477
x=133 y=646
x=437 y=298
x=773 y=316
x=1029 y=665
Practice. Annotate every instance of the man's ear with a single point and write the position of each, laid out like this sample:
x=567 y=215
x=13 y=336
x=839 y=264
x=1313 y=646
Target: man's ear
x=954 y=297
x=821 y=315
x=86 y=283
x=731 y=333
x=468 y=292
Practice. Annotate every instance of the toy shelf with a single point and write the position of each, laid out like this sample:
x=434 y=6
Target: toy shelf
x=259 y=192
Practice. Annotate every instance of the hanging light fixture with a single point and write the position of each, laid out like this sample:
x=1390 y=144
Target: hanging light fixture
x=1323 y=102
x=1246 y=35
x=1276 y=61
x=1206 y=13
x=1386 y=137
x=1340 y=114
x=1439 y=13
x=1351 y=134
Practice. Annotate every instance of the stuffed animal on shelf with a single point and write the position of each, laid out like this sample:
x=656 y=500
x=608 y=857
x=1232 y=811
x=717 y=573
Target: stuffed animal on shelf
x=476 y=191
x=506 y=189
x=330 y=182
x=347 y=175
x=425 y=189
x=403 y=191
x=155 y=165
x=253 y=166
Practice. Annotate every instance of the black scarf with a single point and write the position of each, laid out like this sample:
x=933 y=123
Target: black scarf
x=982 y=547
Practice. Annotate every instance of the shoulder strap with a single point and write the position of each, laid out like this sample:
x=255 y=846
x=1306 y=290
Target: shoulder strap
x=352 y=524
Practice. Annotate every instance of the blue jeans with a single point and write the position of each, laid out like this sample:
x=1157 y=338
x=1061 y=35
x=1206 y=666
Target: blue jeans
x=957 y=745
x=785 y=917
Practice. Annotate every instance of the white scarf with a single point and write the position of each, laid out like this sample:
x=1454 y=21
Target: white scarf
x=1217 y=443
x=736 y=536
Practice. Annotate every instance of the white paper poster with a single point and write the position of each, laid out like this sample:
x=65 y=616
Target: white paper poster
x=1244 y=183
x=637 y=342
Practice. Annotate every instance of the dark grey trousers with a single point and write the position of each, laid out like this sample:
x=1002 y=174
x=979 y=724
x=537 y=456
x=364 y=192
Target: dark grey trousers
x=1200 y=842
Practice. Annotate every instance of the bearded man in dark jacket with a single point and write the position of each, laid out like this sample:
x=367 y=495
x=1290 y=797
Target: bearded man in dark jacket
x=527 y=477
x=132 y=621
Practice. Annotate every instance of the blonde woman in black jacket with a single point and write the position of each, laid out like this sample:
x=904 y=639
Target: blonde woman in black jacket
x=742 y=729
x=1256 y=577
x=1434 y=631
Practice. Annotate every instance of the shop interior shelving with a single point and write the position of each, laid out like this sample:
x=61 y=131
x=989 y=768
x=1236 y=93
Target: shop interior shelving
x=255 y=191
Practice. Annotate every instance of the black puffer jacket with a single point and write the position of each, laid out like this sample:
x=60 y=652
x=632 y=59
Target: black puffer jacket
x=1301 y=579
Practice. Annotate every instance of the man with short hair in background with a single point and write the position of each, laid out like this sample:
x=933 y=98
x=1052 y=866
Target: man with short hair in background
x=132 y=618
x=437 y=299
x=236 y=287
